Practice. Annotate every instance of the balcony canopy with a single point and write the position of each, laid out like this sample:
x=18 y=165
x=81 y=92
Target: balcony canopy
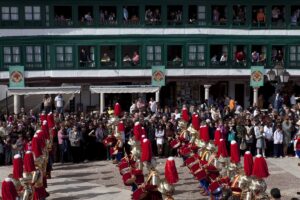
x=44 y=90
x=124 y=89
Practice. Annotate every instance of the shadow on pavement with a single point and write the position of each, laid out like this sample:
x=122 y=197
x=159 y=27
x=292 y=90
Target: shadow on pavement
x=72 y=189
x=76 y=174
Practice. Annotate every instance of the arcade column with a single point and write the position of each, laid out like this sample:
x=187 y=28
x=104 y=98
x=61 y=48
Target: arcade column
x=255 y=96
x=17 y=104
x=206 y=92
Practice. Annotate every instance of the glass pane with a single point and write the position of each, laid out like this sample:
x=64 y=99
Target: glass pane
x=201 y=15
x=298 y=57
x=192 y=48
x=28 y=9
x=5 y=9
x=37 y=49
x=69 y=57
x=7 y=50
x=37 y=16
x=200 y=56
x=201 y=8
x=16 y=50
x=29 y=58
x=68 y=49
x=14 y=10
x=59 y=50
x=16 y=58
x=149 y=49
x=36 y=9
x=37 y=58
x=158 y=56
x=29 y=50
x=14 y=17
x=28 y=16
x=292 y=57
x=149 y=56
x=192 y=56
x=5 y=16
x=7 y=58
x=298 y=49
x=293 y=49
x=200 y=48
x=60 y=57
x=158 y=49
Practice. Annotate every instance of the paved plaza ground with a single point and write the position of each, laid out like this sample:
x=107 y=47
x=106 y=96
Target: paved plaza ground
x=102 y=181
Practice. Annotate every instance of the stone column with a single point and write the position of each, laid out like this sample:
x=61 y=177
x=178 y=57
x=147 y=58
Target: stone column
x=157 y=96
x=102 y=102
x=17 y=104
x=206 y=93
x=255 y=96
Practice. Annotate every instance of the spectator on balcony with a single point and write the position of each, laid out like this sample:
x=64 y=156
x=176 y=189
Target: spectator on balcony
x=294 y=19
x=134 y=19
x=126 y=58
x=135 y=58
x=214 y=59
x=125 y=14
x=88 y=18
x=241 y=15
x=223 y=58
x=178 y=16
x=106 y=15
x=193 y=19
x=84 y=57
x=279 y=56
x=262 y=58
x=156 y=16
x=260 y=16
x=177 y=59
x=240 y=56
x=216 y=15
x=105 y=58
x=112 y=18
x=275 y=14
x=102 y=19
x=148 y=15
x=254 y=56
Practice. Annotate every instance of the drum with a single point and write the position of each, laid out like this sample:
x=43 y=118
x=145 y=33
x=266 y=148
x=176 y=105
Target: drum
x=200 y=174
x=214 y=187
x=122 y=165
x=128 y=178
x=139 y=194
x=175 y=143
x=190 y=160
x=109 y=140
x=139 y=176
x=195 y=167
x=185 y=151
x=113 y=151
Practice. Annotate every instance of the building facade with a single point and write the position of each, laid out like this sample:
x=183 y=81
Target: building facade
x=207 y=47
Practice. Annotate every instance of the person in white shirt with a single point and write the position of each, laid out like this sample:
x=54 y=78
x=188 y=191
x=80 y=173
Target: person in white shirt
x=59 y=103
x=278 y=140
x=268 y=131
x=159 y=135
x=152 y=105
x=133 y=107
x=293 y=100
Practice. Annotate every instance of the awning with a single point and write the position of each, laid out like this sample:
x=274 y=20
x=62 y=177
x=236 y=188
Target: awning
x=44 y=90
x=124 y=89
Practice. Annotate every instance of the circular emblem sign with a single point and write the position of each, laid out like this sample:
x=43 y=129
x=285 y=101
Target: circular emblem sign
x=16 y=76
x=158 y=75
x=257 y=76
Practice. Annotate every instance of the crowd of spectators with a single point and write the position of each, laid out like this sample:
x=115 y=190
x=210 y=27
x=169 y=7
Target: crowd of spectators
x=79 y=136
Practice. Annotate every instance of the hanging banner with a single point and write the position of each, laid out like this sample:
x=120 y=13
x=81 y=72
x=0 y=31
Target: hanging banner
x=16 y=77
x=158 y=76
x=257 y=76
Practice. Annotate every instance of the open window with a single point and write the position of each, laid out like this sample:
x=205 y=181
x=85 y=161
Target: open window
x=239 y=15
x=219 y=54
x=277 y=15
x=108 y=15
x=108 y=56
x=219 y=15
x=174 y=55
x=63 y=15
x=174 y=15
x=131 y=55
x=259 y=16
x=239 y=54
x=85 y=15
x=86 y=56
x=258 y=54
x=295 y=13
x=278 y=53
x=153 y=15
x=131 y=15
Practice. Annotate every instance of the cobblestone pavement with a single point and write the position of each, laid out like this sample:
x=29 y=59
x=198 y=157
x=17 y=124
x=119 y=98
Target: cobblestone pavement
x=101 y=180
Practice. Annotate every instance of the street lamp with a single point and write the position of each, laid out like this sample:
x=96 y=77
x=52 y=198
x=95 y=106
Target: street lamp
x=278 y=76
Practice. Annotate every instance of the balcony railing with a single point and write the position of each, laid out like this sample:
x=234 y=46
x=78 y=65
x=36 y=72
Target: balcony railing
x=110 y=64
x=87 y=64
x=175 y=64
x=64 y=23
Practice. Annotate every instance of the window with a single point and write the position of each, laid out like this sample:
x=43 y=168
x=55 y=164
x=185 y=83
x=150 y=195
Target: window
x=218 y=54
x=131 y=55
x=197 y=15
x=239 y=54
x=108 y=56
x=153 y=15
x=239 y=15
x=85 y=15
x=33 y=56
x=9 y=13
x=294 y=56
x=258 y=16
x=196 y=55
x=131 y=15
x=175 y=55
x=32 y=13
x=277 y=13
x=174 y=15
x=154 y=55
x=277 y=53
x=258 y=54
x=219 y=15
x=12 y=55
x=64 y=56
x=295 y=13
x=63 y=15
x=108 y=15
x=86 y=56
